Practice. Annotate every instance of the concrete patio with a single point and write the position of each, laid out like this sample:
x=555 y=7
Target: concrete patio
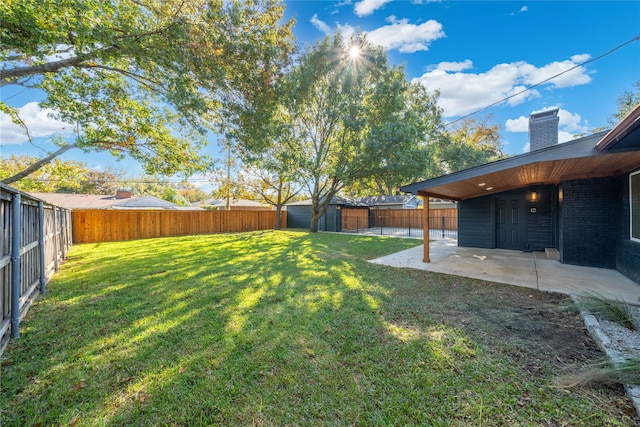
x=528 y=269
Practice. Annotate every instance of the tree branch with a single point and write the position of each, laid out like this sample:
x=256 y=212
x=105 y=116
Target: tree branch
x=37 y=165
x=12 y=75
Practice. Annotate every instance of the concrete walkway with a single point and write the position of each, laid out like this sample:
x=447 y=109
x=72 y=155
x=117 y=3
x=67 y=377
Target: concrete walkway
x=527 y=269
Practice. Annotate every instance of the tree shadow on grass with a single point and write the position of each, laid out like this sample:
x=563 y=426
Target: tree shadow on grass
x=257 y=328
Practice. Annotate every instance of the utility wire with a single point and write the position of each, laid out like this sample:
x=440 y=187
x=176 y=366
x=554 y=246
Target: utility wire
x=636 y=38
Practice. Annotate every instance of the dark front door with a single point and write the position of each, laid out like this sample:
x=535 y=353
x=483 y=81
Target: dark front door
x=510 y=227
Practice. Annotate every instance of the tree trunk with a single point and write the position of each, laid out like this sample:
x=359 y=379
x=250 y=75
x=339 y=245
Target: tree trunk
x=278 y=217
x=313 y=228
x=37 y=165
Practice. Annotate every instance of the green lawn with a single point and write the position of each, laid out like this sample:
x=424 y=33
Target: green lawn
x=290 y=328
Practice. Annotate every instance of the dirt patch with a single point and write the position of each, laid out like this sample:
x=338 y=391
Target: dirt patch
x=540 y=331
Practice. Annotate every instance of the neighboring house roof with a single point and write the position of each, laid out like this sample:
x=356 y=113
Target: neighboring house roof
x=348 y=202
x=598 y=155
x=93 y=201
x=77 y=201
x=144 y=202
x=233 y=202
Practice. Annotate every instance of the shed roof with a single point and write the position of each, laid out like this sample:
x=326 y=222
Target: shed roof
x=348 y=202
x=385 y=200
x=582 y=158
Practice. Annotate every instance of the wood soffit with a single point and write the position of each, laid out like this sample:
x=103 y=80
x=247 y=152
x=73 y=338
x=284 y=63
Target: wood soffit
x=544 y=172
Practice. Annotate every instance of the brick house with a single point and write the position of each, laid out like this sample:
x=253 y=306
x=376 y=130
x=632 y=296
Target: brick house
x=581 y=198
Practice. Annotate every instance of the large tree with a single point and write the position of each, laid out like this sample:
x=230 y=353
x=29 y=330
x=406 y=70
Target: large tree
x=347 y=110
x=404 y=132
x=143 y=78
x=470 y=143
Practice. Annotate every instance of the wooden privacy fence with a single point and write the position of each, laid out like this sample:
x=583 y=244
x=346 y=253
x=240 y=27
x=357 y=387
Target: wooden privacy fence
x=441 y=219
x=354 y=218
x=92 y=226
x=35 y=238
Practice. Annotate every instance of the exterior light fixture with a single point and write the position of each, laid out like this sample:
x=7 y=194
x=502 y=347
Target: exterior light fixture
x=534 y=196
x=482 y=184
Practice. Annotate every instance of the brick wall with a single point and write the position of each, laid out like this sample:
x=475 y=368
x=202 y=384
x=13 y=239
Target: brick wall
x=589 y=224
x=476 y=222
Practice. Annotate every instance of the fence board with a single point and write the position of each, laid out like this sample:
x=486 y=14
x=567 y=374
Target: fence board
x=56 y=240
x=92 y=226
x=354 y=218
x=412 y=218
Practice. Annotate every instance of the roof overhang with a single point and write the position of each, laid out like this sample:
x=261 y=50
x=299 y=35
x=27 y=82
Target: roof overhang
x=596 y=156
x=625 y=134
x=539 y=173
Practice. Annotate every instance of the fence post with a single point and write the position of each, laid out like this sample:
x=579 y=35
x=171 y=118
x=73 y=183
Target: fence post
x=63 y=233
x=443 y=227
x=43 y=276
x=15 y=267
x=55 y=239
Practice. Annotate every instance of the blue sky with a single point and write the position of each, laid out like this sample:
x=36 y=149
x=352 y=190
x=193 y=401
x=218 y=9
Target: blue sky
x=474 y=52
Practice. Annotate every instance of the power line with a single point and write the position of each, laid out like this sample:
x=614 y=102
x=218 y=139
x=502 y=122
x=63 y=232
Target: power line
x=636 y=38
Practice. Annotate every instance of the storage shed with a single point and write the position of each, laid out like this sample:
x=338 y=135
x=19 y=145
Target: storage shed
x=299 y=213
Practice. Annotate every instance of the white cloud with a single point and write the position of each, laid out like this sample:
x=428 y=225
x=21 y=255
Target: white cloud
x=347 y=31
x=320 y=25
x=406 y=37
x=455 y=66
x=367 y=7
x=571 y=122
x=38 y=121
x=463 y=92
x=521 y=124
x=521 y=10
x=575 y=77
x=564 y=136
x=519 y=94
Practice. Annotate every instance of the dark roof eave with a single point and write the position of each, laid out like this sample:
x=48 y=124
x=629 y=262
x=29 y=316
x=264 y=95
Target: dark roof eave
x=620 y=131
x=557 y=152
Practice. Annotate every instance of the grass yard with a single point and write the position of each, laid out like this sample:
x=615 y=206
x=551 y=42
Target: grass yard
x=287 y=328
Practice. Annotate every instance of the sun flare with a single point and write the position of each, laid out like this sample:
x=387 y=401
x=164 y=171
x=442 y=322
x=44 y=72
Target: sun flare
x=354 y=52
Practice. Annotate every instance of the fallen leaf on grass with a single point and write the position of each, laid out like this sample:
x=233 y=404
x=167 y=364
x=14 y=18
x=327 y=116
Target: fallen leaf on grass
x=80 y=385
x=126 y=380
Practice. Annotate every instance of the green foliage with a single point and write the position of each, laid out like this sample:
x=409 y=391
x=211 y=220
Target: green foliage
x=336 y=119
x=59 y=176
x=144 y=79
x=471 y=144
x=627 y=101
